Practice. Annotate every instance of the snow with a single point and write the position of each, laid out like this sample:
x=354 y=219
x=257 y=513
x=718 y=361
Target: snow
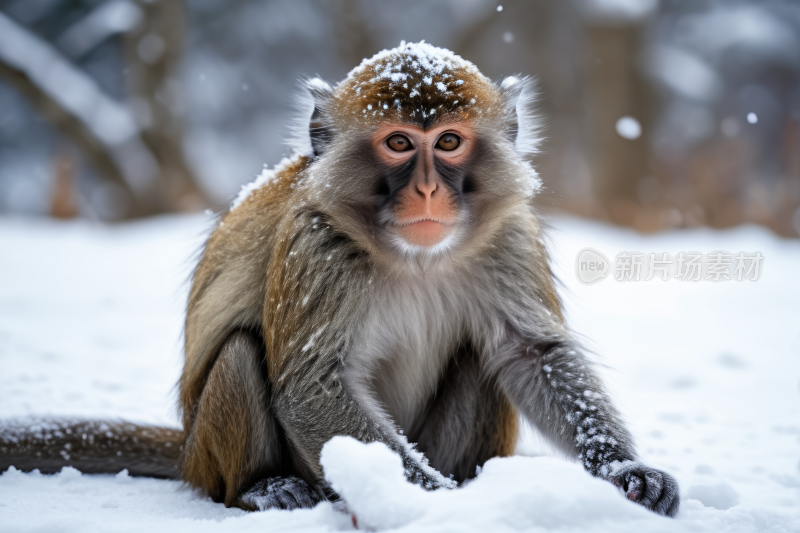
x=262 y=179
x=420 y=57
x=371 y=478
x=708 y=375
x=628 y=128
x=722 y=28
x=617 y=11
x=319 y=84
x=719 y=496
x=684 y=72
x=111 y=18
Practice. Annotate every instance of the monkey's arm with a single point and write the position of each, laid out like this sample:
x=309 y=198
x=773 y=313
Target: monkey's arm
x=319 y=405
x=317 y=288
x=554 y=385
x=556 y=389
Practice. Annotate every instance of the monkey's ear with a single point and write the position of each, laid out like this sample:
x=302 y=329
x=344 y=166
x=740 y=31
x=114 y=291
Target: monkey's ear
x=314 y=133
x=523 y=125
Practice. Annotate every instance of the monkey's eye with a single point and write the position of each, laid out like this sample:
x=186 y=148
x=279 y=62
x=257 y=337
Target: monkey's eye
x=448 y=142
x=399 y=143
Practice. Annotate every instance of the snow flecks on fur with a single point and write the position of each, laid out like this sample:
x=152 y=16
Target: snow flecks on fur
x=287 y=493
x=417 y=83
x=287 y=173
x=435 y=478
x=509 y=81
x=420 y=84
x=92 y=444
x=422 y=58
x=15 y=430
x=266 y=176
x=593 y=437
x=318 y=84
x=588 y=412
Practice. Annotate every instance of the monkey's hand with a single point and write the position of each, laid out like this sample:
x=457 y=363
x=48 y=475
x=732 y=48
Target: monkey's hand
x=654 y=489
x=418 y=471
x=279 y=493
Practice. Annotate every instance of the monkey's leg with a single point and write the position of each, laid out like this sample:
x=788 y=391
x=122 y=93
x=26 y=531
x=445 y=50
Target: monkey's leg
x=468 y=421
x=234 y=450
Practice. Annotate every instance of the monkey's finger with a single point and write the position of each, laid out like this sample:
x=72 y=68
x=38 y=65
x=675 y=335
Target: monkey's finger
x=306 y=497
x=653 y=488
x=674 y=507
x=296 y=493
x=635 y=486
x=286 y=500
x=669 y=502
x=664 y=503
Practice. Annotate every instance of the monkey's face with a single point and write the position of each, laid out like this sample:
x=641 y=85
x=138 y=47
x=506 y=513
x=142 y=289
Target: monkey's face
x=423 y=180
x=416 y=152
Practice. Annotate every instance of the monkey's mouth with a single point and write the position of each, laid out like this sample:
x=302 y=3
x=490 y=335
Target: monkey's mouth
x=423 y=220
x=424 y=231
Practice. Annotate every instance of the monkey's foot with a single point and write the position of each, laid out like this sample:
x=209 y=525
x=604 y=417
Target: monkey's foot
x=279 y=493
x=654 y=489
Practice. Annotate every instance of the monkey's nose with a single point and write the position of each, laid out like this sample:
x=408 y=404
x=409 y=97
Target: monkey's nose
x=426 y=188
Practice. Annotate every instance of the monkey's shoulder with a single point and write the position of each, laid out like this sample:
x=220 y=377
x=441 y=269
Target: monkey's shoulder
x=274 y=188
x=242 y=243
x=265 y=203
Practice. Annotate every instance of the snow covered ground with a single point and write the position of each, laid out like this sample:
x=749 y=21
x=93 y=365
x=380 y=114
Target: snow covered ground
x=708 y=376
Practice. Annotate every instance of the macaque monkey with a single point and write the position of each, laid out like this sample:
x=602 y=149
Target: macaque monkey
x=389 y=282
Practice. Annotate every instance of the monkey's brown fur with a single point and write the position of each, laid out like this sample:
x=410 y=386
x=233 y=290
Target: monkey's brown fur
x=311 y=315
x=248 y=273
x=217 y=459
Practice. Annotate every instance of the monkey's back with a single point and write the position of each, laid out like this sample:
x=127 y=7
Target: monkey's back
x=229 y=282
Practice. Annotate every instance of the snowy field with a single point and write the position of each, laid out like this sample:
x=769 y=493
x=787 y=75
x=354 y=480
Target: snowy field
x=708 y=376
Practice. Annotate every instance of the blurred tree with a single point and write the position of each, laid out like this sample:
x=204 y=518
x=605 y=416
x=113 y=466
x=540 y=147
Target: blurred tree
x=139 y=155
x=204 y=85
x=154 y=48
x=616 y=90
x=352 y=30
x=63 y=203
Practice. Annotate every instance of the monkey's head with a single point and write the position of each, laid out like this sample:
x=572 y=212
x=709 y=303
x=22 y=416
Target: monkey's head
x=416 y=152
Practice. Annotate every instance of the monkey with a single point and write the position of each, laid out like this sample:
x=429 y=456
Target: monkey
x=389 y=282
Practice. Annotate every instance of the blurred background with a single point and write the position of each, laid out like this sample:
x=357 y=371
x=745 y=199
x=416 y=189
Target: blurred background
x=660 y=114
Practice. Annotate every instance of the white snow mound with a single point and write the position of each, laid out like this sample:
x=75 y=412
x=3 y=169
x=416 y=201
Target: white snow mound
x=538 y=494
x=90 y=322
